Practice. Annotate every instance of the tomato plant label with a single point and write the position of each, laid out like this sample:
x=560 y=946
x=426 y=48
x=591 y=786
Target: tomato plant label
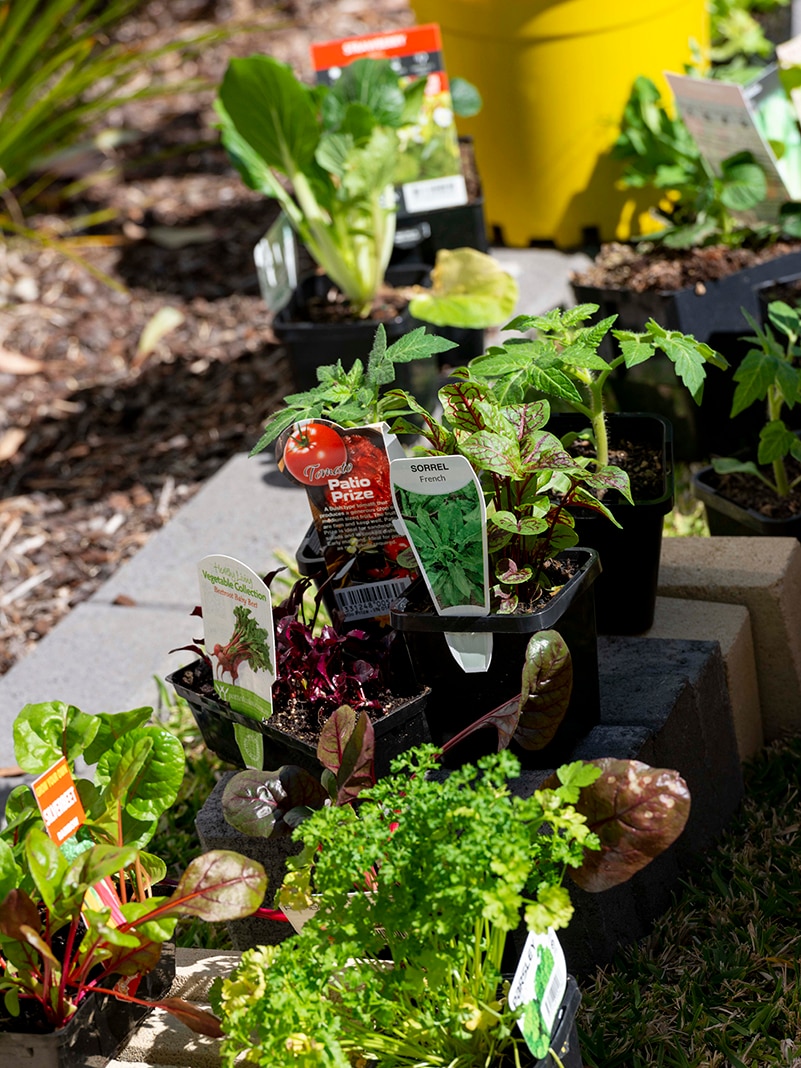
x=539 y=983
x=238 y=635
x=346 y=476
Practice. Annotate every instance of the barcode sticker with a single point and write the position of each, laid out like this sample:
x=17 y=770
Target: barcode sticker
x=539 y=984
x=369 y=598
x=448 y=191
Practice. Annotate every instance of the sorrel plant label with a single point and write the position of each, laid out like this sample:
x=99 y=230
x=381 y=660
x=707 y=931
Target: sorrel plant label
x=238 y=634
x=442 y=511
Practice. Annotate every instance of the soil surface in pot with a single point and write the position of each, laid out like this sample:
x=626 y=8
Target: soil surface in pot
x=646 y=267
x=335 y=308
x=295 y=718
x=748 y=492
x=642 y=463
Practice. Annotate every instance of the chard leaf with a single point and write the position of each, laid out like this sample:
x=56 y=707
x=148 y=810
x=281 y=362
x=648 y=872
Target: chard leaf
x=257 y=802
x=503 y=719
x=192 y=1016
x=219 y=885
x=143 y=771
x=637 y=812
x=17 y=911
x=113 y=725
x=353 y=762
x=90 y=867
x=46 y=863
x=547 y=686
x=43 y=733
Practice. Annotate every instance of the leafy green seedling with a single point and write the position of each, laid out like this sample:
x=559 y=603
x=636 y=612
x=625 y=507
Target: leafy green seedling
x=564 y=363
x=354 y=397
x=770 y=373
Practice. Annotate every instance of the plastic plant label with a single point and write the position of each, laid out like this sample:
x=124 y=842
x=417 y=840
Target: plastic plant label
x=346 y=476
x=238 y=634
x=721 y=116
x=276 y=262
x=539 y=984
x=441 y=511
x=58 y=801
x=429 y=172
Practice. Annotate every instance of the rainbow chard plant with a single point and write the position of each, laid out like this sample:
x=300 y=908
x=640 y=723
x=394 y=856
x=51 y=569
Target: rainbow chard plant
x=81 y=917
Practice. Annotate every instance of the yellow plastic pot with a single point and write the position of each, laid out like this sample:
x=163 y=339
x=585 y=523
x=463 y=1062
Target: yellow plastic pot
x=555 y=76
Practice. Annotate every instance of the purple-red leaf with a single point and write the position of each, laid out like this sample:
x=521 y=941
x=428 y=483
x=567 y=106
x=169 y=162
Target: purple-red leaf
x=504 y=719
x=347 y=749
x=18 y=910
x=546 y=689
x=637 y=812
x=258 y=802
x=198 y=1020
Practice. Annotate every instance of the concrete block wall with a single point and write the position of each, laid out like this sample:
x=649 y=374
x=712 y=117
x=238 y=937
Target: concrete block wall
x=763 y=575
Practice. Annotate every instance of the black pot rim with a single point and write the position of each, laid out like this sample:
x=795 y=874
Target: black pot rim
x=404 y=618
x=712 y=498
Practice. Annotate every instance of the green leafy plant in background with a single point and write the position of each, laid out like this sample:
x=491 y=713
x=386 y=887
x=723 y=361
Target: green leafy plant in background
x=59 y=76
x=338 y=148
x=770 y=374
x=562 y=361
x=696 y=205
x=409 y=973
x=736 y=34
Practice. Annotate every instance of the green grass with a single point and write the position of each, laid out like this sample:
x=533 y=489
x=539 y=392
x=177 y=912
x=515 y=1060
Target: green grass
x=718 y=982
x=688 y=518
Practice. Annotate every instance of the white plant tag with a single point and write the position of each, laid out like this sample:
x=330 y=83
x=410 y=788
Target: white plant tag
x=276 y=262
x=539 y=983
x=441 y=509
x=238 y=634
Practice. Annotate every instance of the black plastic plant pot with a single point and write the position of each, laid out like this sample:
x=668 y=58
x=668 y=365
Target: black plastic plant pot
x=418 y=237
x=725 y=517
x=395 y=732
x=564 y=1039
x=98 y=1030
x=310 y=345
x=459 y=698
x=625 y=593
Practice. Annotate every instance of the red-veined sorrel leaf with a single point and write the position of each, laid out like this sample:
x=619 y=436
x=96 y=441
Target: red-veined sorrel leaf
x=347 y=748
x=459 y=405
x=528 y=417
x=257 y=802
x=547 y=685
x=219 y=885
x=637 y=812
x=198 y=1020
x=511 y=574
x=614 y=478
x=504 y=719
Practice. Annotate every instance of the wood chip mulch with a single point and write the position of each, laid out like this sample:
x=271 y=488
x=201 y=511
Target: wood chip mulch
x=102 y=439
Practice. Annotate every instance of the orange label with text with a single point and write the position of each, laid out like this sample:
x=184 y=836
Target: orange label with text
x=58 y=801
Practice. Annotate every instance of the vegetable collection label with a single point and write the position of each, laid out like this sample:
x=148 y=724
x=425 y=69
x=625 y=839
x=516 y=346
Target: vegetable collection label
x=346 y=476
x=238 y=634
x=429 y=170
x=441 y=507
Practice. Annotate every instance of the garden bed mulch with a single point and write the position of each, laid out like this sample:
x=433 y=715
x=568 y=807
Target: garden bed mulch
x=102 y=440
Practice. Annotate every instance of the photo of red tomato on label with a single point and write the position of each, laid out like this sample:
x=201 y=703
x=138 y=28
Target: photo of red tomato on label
x=312 y=452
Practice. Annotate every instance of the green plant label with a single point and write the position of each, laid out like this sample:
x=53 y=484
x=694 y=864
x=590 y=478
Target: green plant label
x=441 y=510
x=539 y=984
x=345 y=473
x=428 y=172
x=238 y=635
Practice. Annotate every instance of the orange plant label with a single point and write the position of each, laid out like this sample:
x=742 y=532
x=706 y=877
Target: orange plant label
x=58 y=801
